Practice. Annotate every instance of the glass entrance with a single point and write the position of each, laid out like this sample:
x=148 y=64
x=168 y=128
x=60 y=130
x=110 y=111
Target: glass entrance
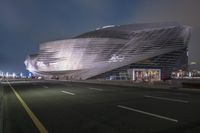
x=146 y=75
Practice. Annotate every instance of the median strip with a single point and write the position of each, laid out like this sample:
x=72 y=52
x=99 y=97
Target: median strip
x=167 y=99
x=146 y=113
x=66 y=92
x=35 y=120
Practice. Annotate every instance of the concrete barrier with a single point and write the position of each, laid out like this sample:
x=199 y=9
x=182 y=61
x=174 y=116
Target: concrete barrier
x=161 y=84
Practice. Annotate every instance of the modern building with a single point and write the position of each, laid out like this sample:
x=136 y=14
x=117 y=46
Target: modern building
x=148 y=51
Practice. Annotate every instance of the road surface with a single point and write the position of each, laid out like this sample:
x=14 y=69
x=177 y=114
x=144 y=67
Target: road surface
x=65 y=107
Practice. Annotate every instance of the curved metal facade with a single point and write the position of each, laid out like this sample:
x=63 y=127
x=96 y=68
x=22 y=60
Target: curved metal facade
x=113 y=49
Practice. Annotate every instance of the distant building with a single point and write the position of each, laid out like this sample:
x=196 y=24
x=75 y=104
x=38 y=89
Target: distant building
x=149 y=51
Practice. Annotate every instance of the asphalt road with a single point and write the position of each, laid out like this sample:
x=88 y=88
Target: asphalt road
x=64 y=107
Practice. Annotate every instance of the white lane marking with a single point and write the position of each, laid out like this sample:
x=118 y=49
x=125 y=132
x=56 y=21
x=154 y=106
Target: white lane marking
x=45 y=86
x=68 y=92
x=146 y=113
x=172 y=93
x=97 y=89
x=168 y=99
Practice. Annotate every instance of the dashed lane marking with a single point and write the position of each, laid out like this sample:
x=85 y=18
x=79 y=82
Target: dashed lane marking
x=97 y=89
x=167 y=99
x=147 y=113
x=45 y=86
x=66 y=92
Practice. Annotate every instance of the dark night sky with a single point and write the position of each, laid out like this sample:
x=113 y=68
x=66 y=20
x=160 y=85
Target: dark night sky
x=24 y=24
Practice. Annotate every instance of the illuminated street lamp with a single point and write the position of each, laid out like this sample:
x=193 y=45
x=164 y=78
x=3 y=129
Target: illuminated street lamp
x=1 y=74
x=21 y=74
x=29 y=75
x=13 y=75
x=7 y=74
x=193 y=63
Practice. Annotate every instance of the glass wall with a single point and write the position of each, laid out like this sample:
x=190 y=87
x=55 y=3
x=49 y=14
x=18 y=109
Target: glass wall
x=146 y=75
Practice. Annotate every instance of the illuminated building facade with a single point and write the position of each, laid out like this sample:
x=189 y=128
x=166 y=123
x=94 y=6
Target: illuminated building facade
x=149 y=51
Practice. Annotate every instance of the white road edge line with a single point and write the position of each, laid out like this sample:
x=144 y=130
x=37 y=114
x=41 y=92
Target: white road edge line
x=146 y=113
x=68 y=92
x=95 y=89
x=168 y=99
